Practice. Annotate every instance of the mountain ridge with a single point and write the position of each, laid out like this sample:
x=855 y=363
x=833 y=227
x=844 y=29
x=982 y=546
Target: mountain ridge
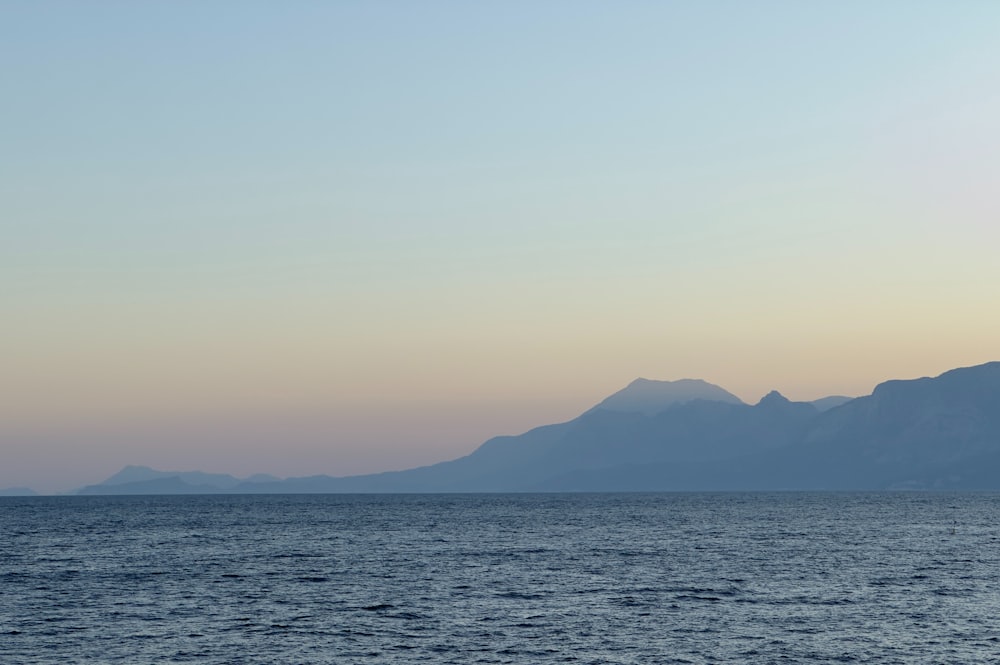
x=926 y=433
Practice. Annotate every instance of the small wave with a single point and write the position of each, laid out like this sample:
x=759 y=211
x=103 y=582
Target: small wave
x=377 y=608
x=404 y=615
x=519 y=595
x=629 y=601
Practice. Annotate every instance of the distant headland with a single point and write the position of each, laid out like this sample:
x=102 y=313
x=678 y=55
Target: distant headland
x=939 y=433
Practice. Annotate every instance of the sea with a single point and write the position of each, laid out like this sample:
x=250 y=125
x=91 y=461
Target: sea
x=502 y=578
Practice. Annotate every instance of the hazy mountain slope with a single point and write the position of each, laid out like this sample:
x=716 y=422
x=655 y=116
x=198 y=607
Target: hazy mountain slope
x=693 y=431
x=911 y=433
x=827 y=403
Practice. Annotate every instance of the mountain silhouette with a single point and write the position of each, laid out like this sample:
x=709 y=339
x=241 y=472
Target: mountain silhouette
x=929 y=433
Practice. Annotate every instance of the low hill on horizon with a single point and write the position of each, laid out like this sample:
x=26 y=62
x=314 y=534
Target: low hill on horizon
x=134 y=479
x=18 y=491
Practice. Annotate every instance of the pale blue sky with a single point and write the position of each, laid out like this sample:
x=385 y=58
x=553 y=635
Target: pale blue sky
x=391 y=230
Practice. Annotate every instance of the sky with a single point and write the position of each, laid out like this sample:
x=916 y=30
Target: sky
x=347 y=237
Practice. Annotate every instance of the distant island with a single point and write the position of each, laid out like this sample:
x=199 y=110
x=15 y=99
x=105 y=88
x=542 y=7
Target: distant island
x=938 y=433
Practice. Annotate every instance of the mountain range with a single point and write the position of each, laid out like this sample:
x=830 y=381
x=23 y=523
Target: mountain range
x=930 y=433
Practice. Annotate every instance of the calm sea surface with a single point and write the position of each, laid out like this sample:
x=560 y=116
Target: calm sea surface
x=573 y=578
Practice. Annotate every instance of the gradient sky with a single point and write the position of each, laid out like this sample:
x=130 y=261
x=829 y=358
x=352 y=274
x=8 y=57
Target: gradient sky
x=341 y=237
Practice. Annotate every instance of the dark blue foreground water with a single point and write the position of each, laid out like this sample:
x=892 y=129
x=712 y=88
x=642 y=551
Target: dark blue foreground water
x=645 y=578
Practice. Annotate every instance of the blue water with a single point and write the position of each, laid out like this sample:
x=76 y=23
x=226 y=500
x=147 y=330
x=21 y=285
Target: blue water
x=614 y=578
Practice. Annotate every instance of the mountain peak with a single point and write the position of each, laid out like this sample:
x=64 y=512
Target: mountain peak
x=649 y=396
x=133 y=473
x=773 y=397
